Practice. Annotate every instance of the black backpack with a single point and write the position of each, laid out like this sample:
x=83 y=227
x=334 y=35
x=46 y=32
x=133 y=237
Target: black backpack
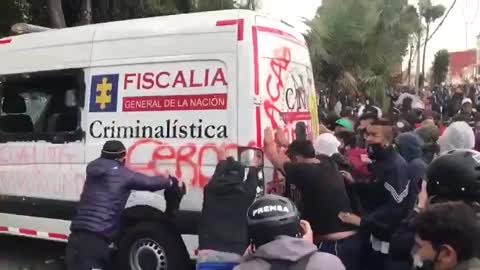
x=289 y=265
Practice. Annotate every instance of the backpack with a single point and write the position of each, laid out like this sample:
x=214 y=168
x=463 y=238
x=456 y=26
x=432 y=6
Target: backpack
x=288 y=265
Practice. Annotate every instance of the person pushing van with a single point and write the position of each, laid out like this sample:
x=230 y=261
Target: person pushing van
x=104 y=196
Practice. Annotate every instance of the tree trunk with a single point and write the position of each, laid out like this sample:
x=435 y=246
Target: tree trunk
x=425 y=52
x=184 y=6
x=86 y=12
x=331 y=96
x=417 y=75
x=409 y=68
x=102 y=11
x=55 y=13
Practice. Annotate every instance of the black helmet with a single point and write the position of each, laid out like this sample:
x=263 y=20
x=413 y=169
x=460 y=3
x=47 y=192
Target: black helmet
x=455 y=176
x=271 y=216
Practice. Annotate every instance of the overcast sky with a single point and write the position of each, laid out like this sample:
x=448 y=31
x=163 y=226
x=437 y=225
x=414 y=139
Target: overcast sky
x=458 y=32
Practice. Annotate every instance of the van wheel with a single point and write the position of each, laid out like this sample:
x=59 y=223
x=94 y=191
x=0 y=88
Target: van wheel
x=151 y=246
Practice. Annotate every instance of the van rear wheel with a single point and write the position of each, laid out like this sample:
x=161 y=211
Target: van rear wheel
x=151 y=246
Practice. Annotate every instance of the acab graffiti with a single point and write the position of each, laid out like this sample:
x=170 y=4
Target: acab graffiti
x=188 y=162
x=290 y=94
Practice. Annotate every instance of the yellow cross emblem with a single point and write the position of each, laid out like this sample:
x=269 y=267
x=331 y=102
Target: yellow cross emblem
x=104 y=98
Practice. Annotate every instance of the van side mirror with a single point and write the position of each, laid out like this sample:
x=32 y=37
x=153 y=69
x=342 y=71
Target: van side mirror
x=251 y=157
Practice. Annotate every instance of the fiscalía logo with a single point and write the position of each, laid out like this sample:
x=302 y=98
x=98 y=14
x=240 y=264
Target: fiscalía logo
x=103 y=93
x=270 y=208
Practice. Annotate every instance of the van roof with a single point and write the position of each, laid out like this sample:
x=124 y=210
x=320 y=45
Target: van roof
x=72 y=47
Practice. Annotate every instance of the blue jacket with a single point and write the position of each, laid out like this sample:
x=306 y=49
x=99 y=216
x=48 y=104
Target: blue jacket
x=395 y=197
x=105 y=194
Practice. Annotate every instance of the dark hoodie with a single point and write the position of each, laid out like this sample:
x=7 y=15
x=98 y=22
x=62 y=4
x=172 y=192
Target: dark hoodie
x=105 y=194
x=223 y=225
x=410 y=147
x=429 y=135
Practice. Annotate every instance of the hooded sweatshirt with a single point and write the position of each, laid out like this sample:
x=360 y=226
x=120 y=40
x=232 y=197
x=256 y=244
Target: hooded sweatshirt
x=410 y=147
x=459 y=135
x=291 y=251
x=429 y=135
x=223 y=226
x=472 y=264
x=105 y=194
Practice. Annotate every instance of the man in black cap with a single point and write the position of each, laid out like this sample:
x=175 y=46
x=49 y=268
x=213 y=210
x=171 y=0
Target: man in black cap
x=105 y=194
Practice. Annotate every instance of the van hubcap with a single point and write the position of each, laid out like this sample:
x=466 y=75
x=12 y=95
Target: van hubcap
x=147 y=254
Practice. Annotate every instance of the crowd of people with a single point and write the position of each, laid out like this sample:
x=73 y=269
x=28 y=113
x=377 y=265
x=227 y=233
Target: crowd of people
x=371 y=191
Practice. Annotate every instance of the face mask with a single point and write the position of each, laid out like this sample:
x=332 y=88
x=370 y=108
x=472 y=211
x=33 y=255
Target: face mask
x=122 y=161
x=377 y=151
x=418 y=262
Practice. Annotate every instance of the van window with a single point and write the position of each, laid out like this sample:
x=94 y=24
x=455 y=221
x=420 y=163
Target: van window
x=43 y=106
x=36 y=103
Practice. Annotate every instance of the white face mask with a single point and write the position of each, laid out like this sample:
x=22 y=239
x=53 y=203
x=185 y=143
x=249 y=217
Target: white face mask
x=417 y=261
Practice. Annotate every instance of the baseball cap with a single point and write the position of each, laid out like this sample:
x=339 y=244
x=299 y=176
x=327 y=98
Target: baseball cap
x=466 y=100
x=326 y=144
x=418 y=105
x=345 y=124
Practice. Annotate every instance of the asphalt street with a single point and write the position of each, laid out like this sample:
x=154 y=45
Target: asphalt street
x=29 y=254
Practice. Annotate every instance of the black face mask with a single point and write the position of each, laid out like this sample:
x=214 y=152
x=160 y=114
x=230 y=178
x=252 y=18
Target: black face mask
x=361 y=138
x=378 y=151
x=122 y=161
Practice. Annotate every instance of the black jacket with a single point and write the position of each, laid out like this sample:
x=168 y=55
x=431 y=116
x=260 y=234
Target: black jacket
x=105 y=195
x=223 y=225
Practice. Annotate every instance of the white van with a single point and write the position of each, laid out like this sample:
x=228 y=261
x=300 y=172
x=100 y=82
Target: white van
x=173 y=89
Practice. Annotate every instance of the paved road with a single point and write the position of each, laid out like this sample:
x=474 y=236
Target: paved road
x=29 y=254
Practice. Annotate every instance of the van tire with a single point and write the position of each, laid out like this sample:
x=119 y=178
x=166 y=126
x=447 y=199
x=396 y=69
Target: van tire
x=157 y=242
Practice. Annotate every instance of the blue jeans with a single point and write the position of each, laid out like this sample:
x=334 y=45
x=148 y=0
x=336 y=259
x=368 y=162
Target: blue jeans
x=348 y=250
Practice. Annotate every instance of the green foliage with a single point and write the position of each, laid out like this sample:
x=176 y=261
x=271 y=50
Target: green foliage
x=209 y=5
x=36 y=12
x=440 y=66
x=124 y=10
x=360 y=40
x=430 y=12
x=12 y=11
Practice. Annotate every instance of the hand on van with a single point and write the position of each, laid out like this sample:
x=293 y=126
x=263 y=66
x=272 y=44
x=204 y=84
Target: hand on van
x=174 y=195
x=222 y=152
x=280 y=138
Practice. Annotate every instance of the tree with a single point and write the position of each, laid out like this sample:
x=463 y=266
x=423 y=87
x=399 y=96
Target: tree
x=12 y=11
x=355 y=44
x=67 y=13
x=55 y=11
x=440 y=66
x=430 y=14
x=208 y=5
